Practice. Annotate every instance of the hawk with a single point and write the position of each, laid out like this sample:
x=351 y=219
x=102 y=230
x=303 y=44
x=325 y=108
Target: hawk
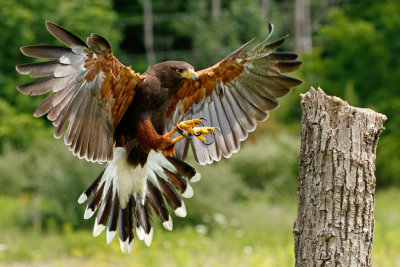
x=142 y=125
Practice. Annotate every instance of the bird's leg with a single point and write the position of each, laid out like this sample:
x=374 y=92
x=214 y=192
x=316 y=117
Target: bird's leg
x=189 y=128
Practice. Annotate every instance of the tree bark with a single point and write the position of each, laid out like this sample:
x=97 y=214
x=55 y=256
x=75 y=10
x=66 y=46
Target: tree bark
x=335 y=220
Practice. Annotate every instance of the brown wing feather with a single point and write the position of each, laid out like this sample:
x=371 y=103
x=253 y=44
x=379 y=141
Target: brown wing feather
x=91 y=90
x=118 y=86
x=195 y=91
x=233 y=94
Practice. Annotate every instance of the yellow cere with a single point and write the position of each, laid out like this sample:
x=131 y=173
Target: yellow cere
x=188 y=74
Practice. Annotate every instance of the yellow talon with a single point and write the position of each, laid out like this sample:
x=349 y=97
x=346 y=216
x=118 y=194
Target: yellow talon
x=202 y=130
x=188 y=124
x=192 y=129
x=202 y=138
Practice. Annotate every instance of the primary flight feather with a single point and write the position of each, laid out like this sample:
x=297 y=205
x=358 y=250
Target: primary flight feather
x=143 y=124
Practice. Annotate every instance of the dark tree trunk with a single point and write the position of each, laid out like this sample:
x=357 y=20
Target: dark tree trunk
x=302 y=26
x=215 y=8
x=265 y=6
x=148 y=32
x=335 y=220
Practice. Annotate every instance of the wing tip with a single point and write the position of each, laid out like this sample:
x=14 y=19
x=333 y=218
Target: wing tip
x=24 y=89
x=64 y=35
x=24 y=50
x=238 y=52
x=19 y=69
x=24 y=69
x=48 y=23
x=99 y=44
x=51 y=27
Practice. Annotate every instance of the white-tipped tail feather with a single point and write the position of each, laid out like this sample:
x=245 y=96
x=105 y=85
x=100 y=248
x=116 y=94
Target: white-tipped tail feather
x=88 y=213
x=131 y=246
x=110 y=236
x=148 y=237
x=168 y=224
x=124 y=245
x=140 y=233
x=188 y=193
x=181 y=211
x=124 y=192
x=196 y=177
x=98 y=228
x=82 y=198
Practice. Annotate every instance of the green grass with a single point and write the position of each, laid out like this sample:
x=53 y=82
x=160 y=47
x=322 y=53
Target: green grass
x=260 y=235
x=386 y=247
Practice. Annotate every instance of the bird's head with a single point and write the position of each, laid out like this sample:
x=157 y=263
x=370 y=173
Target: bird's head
x=185 y=71
x=171 y=76
x=180 y=71
x=173 y=73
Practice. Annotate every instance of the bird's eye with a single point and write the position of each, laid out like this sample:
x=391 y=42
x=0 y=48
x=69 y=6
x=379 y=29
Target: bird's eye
x=180 y=71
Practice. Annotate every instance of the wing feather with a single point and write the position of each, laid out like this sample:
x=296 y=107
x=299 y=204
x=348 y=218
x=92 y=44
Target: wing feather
x=244 y=120
x=91 y=90
x=198 y=151
x=233 y=94
x=208 y=152
x=45 y=69
x=45 y=51
x=214 y=152
x=46 y=106
x=237 y=130
x=71 y=110
x=58 y=103
x=225 y=127
x=81 y=117
x=219 y=138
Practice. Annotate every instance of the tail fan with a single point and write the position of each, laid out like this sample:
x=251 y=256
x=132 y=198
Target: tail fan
x=122 y=192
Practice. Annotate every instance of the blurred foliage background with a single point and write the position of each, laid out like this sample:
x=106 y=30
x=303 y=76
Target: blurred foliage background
x=244 y=207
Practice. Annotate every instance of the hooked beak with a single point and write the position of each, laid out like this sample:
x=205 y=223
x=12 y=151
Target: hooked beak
x=190 y=74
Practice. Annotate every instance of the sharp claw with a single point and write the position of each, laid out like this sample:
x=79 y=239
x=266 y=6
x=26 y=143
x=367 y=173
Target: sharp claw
x=196 y=128
x=203 y=119
x=200 y=124
x=213 y=136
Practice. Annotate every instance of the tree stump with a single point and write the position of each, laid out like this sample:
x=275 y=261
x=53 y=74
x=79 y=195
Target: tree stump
x=335 y=220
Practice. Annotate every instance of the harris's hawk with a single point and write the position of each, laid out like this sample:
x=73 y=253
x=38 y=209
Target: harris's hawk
x=135 y=122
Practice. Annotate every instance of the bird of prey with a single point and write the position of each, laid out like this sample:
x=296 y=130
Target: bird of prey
x=142 y=125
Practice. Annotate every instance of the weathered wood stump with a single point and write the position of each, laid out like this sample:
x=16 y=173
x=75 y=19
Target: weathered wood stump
x=335 y=220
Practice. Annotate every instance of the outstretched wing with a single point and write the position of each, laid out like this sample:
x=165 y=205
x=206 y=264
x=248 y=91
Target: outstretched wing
x=232 y=95
x=90 y=88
